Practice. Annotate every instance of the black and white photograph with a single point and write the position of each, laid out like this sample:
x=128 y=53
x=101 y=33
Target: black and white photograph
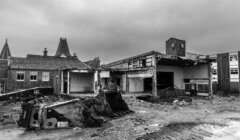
x=119 y=70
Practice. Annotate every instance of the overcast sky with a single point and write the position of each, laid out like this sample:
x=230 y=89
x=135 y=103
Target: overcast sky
x=114 y=29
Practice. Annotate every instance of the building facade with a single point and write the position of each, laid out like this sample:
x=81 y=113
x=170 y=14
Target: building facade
x=154 y=72
x=38 y=70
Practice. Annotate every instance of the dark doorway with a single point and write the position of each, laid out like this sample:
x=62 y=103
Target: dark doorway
x=164 y=80
x=147 y=84
x=65 y=86
x=118 y=81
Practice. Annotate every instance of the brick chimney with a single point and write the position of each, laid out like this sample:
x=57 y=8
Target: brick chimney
x=74 y=55
x=45 y=52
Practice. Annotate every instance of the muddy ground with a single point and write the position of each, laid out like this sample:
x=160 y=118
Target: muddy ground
x=203 y=118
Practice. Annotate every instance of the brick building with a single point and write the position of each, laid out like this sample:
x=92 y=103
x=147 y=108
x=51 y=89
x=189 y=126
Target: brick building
x=225 y=72
x=36 y=70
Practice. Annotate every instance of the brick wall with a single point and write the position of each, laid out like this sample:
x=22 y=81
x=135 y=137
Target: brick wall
x=13 y=84
x=3 y=68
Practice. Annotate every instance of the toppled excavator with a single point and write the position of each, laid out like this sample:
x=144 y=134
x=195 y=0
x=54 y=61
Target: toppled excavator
x=75 y=112
x=59 y=115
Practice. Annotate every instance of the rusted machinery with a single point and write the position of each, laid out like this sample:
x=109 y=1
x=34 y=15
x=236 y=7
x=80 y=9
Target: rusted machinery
x=59 y=115
x=76 y=112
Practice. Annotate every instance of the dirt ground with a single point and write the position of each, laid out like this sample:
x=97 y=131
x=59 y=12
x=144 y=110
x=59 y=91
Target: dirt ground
x=203 y=118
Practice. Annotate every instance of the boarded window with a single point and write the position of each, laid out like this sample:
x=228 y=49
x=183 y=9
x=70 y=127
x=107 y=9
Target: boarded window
x=45 y=76
x=20 y=76
x=33 y=75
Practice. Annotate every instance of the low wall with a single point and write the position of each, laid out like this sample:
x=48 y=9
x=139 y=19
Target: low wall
x=26 y=93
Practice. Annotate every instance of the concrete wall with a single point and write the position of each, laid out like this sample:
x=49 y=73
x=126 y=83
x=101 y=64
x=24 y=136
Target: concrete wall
x=124 y=82
x=200 y=71
x=136 y=85
x=177 y=72
x=81 y=82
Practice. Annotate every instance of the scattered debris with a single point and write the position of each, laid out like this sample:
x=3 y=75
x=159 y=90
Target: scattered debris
x=179 y=101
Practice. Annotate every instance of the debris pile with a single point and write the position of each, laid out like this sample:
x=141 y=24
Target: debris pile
x=180 y=100
x=57 y=115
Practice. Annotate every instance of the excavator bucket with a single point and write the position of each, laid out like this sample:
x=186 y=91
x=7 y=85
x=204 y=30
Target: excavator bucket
x=111 y=102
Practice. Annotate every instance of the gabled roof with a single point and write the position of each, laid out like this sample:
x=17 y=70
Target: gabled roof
x=95 y=63
x=38 y=62
x=63 y=49
x=5 y=51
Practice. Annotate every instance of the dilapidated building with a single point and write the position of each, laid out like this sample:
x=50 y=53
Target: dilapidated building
x=154 y=71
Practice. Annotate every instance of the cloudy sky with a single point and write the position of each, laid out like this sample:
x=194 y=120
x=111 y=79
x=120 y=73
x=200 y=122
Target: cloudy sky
x=114 y=29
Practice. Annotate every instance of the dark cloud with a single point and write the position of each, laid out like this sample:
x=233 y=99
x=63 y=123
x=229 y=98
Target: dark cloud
x=120 y=28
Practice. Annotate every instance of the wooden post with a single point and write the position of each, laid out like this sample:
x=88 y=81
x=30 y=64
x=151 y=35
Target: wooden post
x=96 y=81
x=210 y=79
x=62 y=82
x=154 y=79
x=68 y=82
x=127 y=82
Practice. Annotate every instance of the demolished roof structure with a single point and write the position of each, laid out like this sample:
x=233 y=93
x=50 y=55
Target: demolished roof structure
x=162 y=59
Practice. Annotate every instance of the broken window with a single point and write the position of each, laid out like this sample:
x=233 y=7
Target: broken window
x=135 y=63
x=233 y=57
x=214 y=71
x=130 y=65
x=149 y=61
x=142 y=63
x=33 y=75
x=234 y=71
x=203 y=87
x=2 y=87
x=20 y=75
x=45 y=76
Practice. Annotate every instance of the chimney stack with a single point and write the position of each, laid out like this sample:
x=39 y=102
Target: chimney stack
x=45 y=52
x=74 y=55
